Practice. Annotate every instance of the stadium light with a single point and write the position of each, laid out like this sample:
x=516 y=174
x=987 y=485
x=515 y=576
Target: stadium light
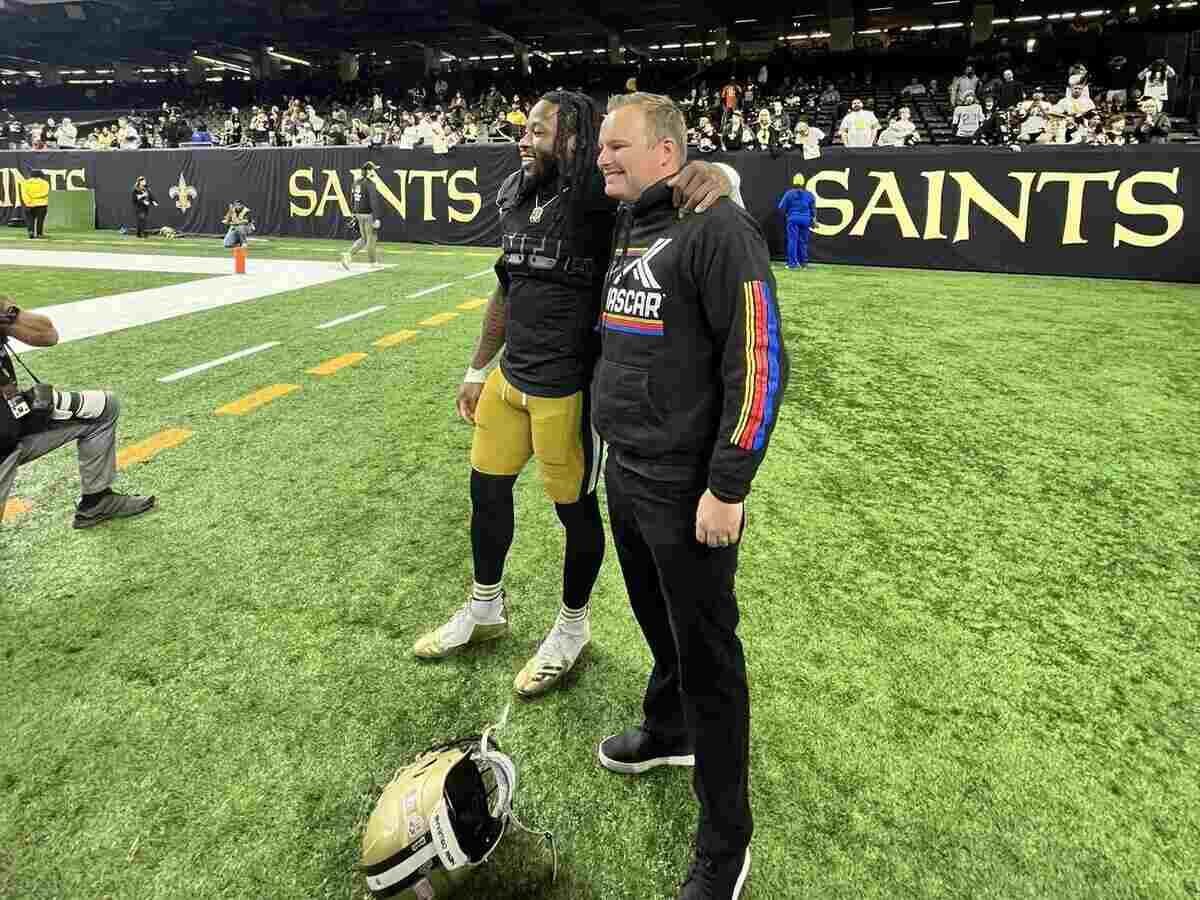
x=1001 y=21
x=291 y=59
x=222 y=64
x=1028 y=19
x=951 y=25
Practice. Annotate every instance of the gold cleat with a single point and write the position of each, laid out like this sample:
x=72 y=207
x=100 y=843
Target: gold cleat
x=554 y=659
x=461 y=631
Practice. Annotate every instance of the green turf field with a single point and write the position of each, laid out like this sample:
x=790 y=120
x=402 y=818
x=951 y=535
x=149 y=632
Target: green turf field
x=43 y=286
x=969 y=598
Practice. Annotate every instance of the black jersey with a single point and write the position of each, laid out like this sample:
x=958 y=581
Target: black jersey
x=552 y=266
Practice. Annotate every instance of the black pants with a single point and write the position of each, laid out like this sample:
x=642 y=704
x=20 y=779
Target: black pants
x=683 y=598
x=35 y=220
x=142 y=216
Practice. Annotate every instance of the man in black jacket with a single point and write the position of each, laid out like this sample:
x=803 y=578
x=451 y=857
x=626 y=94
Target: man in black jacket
x=686 y=393
x=367 y=207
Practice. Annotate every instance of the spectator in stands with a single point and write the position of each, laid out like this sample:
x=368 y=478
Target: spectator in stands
x=780 y=117
x=996 y=130
x=808 y=139
x=990 y=86
x=516 y=116
x=68 y=134
x=900 y=132
x=914 y=88
x=201 y=135
x=859 y=127
x=1154 y=80
x=830 y=96
x=1010 y=93
x=1078 y=75
x=1066 y=116
x=1035 y=114
x=968 y=118
x=1117 y=134
x=127 y=136
x=964 y=84
x=735 y=135
x=12 y=132
x=1156 y=127
x=766 y=135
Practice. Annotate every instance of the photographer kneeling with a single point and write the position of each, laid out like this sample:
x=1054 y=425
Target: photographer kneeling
x=40 y=419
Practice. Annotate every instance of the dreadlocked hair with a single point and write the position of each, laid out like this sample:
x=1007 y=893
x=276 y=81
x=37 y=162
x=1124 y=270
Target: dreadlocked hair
x=578 y=117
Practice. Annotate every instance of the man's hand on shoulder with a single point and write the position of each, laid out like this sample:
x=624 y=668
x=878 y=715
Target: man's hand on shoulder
x=699 y=185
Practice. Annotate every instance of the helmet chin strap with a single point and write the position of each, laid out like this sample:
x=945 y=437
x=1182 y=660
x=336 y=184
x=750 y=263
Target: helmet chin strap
x=506 y=789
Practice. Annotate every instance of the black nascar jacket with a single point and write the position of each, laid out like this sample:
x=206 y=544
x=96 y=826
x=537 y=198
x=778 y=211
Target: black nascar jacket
x=693 y=366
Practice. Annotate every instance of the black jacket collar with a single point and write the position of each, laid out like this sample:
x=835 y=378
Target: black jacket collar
x=653 y=198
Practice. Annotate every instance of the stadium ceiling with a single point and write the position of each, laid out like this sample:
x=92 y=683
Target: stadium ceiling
x=95 y=32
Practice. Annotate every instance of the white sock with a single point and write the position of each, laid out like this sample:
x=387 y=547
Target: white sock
x=574 y=621
x=486 y=605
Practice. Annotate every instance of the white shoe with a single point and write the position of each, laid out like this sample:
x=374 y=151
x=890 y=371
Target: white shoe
x=463 y=629
x=554 y=659
x=346 y=261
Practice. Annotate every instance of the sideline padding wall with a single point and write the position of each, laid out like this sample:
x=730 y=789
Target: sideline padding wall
x=1125 y=212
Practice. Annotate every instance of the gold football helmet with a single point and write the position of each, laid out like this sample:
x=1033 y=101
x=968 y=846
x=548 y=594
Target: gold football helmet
x=439 y=818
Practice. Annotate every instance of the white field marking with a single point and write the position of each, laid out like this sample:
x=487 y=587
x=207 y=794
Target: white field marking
x=204 y=367
x=434 y=289
x=352 y=316
x=480 y=274
x=102 y=315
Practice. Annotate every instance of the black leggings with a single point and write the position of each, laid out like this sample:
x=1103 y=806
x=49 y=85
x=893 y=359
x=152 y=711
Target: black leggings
x=492 y=527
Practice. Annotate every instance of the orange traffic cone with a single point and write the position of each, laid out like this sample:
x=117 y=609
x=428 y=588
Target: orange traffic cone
x=239 y=260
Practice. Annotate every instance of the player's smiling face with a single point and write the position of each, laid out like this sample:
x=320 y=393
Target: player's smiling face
x=537 y=143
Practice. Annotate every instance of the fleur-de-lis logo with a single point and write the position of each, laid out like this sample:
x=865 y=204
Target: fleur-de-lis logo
x=183 y=194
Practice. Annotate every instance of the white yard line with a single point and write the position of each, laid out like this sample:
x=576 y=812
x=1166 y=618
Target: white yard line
x=480 y=274
x=103 y=315
x=204 y=367
x=434 y=289
x=352 y=316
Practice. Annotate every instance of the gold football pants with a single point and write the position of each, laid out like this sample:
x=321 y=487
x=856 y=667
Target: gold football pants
x=511 y=426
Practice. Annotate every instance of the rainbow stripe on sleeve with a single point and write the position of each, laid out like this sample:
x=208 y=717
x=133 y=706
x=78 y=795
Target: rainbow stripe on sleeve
x=763 y=369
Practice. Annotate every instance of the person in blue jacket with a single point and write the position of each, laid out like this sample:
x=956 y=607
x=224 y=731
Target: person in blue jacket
x=800 y=208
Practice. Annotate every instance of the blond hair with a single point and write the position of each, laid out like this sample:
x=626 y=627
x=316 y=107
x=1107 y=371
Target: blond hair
x=664 y=120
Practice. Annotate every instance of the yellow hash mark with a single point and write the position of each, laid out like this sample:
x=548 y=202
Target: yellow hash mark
x=255 y=400
x=439 y=319
x=391 y=340
x=337 y=363
x=151 y=447
x=474 y=304
x=15 y=507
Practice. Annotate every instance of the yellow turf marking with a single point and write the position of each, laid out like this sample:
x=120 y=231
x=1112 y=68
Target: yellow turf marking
x=151 y=447
x=391 y=340
x=337 y=363
x=255 y=400
x=439 y=319
x=474 y=304
x=14 y=508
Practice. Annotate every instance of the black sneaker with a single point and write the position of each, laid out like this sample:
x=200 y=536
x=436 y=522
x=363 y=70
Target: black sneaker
x=112 y=506
x=635 y=751
x=716 y=878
